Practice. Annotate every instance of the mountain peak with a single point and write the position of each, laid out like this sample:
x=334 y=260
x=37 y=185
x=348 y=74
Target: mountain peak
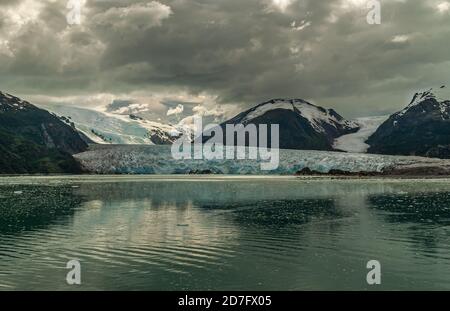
x=302 y=125
x=421 y=97
x=428 y=101
x=286 y=100
x=35 y=141
x=316 y=115
x=9 y=102
x=421 y=128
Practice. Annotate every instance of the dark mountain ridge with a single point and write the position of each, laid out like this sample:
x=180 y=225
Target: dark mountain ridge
x=34 y=141
x=422 y=129
x=302 y=125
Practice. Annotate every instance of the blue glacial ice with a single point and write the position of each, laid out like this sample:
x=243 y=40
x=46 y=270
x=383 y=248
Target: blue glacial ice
x=145 y=159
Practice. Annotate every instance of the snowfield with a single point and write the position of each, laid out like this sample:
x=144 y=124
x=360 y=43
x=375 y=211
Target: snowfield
x=141 y=159
x=316 y=116
x=108 y=128
x=356 y=142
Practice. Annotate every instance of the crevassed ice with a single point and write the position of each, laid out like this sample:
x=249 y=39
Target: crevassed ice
x=356 y=142
x=140 y=159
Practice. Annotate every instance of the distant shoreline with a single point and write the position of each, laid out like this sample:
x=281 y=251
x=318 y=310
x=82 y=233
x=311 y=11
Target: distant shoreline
x=141 y=160
x=323 y=176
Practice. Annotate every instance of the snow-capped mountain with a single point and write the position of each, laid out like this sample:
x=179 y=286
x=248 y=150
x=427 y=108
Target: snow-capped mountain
x=302 y=124
x=422 y=101
x=12 y=103
x=108 y=128
x=318 y=117
x=33 y=140
x=421 y=128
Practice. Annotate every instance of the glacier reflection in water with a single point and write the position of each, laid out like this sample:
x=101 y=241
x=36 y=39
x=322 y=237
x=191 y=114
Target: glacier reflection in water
x=223 y=233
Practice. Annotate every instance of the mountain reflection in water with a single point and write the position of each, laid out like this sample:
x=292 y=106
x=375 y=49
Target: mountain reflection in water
x=223 y=233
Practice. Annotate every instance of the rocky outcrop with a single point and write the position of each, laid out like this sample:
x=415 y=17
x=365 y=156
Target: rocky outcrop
x=422 y=129
x=33 y=140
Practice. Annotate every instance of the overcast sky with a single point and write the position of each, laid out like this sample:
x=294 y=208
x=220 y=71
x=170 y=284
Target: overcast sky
x=219 y=56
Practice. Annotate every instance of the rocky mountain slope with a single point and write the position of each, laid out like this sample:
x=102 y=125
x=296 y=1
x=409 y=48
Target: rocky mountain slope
x=105 y=127
x=302 y=124
x=33 y=140
x=422 y=128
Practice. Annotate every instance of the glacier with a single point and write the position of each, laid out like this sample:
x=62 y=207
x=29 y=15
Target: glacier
x=153 y=159
x=356 y=142
x=108 y=128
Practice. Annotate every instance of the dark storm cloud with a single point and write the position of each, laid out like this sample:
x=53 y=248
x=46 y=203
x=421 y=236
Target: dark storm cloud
x=243 y=52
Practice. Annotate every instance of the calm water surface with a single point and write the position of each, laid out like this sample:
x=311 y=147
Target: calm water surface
x=223 y=233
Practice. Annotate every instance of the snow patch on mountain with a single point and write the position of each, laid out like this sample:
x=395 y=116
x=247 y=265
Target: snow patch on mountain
x=9 y=102
x=316 y=116
x=434 y=95
x=417 y=99
x=356 y=142
x=109 y=128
